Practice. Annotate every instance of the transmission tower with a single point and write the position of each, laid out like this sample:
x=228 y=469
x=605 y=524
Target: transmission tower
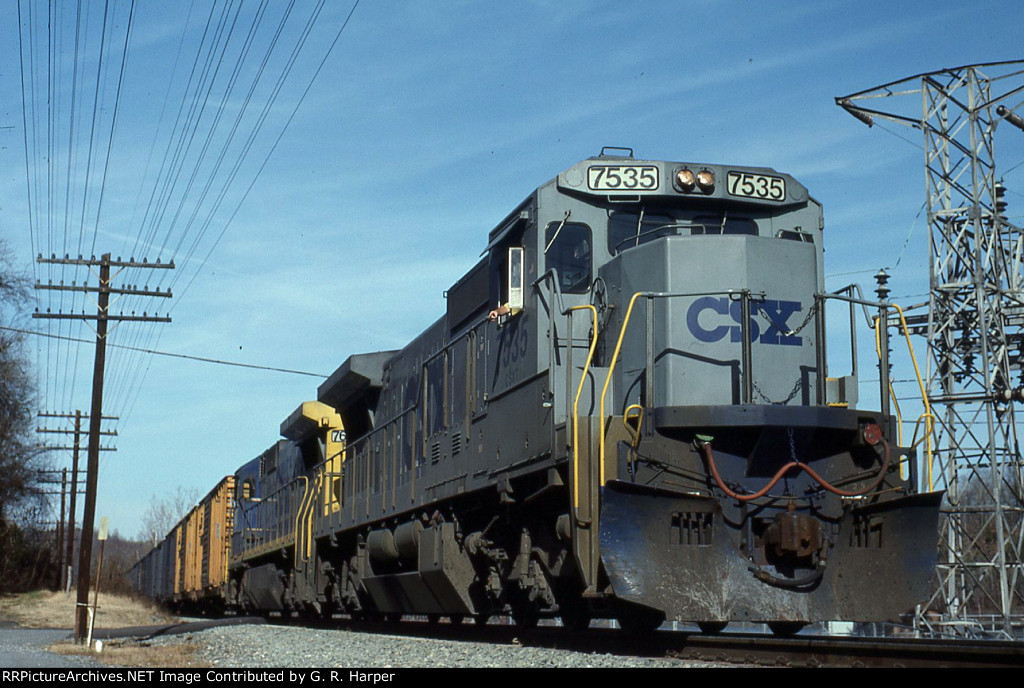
x=974 y=325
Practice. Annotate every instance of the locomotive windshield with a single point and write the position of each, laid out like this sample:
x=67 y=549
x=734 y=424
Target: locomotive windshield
x=626 y=230
x=708 y=224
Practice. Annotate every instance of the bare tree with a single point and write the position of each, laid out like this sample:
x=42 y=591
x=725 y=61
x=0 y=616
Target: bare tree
x=19 y=460
x=24 y=547
x=163 y=513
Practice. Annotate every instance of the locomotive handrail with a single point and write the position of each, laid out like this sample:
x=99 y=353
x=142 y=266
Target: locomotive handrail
x=298 y=517
x=557 y=293
x=552 y=274
x=259 y=508
x=886 y=386
x=929 y=425
x=634 y=432
x=469 y=330
x=891 y=392
x=849 y=289
x=576 y=402
x=352 y=463
x=927 y=416
x=860 y=300
x=352 y=446
x=745 y=293
x=313 y=504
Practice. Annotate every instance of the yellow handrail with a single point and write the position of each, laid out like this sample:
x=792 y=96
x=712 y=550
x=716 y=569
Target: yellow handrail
x=634 y=433
x=576 y=403
x=928 y=417
x=311 y=508
x=298 y=517
x=892 y=396
x=929 y=425
x=608 y=378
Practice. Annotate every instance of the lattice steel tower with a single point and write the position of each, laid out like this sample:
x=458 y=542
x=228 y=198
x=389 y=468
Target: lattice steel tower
x=974 y=326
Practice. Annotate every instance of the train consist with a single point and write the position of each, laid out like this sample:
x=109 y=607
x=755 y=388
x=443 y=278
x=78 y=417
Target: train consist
x=625 y=412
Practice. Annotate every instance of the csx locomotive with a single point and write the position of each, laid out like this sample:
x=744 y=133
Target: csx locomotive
x=625 y=412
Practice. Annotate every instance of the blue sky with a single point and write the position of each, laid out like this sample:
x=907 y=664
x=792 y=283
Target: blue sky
x=428 y=122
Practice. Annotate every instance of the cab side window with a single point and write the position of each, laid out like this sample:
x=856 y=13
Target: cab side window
x=568 y=253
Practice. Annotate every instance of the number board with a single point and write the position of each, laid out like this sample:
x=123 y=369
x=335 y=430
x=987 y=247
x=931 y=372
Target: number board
x=761 y=186
x=622 y=177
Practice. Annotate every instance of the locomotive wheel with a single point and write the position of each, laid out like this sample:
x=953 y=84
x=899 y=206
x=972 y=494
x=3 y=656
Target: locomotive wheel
x=712 y=627
x=525 y=615
x=456 y=619
x=574 y=611
x=638 y=622
x=481 y=619
x=785 y=628
x=575 y=614
x=526 y=620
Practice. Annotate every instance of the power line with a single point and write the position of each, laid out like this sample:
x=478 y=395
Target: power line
x=202 y=359
x=245 y=195
x=208 y=150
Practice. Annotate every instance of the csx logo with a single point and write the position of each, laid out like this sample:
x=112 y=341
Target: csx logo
x=705 y=320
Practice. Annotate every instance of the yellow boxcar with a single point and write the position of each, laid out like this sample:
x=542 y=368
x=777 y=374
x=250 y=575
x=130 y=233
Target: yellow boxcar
x=218 y=521
x=202 y=540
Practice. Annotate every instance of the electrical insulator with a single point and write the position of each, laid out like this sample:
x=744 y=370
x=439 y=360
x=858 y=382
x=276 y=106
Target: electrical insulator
x=1010 y=116
x=882 y=278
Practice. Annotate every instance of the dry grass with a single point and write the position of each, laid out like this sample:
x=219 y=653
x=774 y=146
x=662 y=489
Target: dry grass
x=132 y=654
x=44 y=609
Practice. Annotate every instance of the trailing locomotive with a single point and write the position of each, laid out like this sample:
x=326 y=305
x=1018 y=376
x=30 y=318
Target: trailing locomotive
x=624 y=412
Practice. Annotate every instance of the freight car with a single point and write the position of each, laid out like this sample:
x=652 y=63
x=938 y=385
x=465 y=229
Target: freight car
x=624 y=412
x=189 y=568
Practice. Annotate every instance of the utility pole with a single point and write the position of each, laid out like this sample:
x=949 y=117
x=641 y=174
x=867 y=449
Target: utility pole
x=975 y=330
x=60 y=527
x=69 y=557
x=69 y=562
x=102 y=318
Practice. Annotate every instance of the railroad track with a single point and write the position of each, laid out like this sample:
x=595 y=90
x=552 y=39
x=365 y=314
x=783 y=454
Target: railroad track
x=741 y=649
x=825 y=651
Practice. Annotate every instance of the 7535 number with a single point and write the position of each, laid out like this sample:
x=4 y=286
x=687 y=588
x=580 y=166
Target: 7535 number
x=620 y=177
x=756 y=186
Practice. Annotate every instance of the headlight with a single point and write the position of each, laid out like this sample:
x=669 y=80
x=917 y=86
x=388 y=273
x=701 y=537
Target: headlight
x=706 y=180
x=685 y=179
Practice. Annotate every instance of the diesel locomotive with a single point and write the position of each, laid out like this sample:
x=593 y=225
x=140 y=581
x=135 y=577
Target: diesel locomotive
x=625 y=412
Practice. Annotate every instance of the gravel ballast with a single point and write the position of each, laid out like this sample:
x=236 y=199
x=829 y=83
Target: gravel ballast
x=261 y=646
